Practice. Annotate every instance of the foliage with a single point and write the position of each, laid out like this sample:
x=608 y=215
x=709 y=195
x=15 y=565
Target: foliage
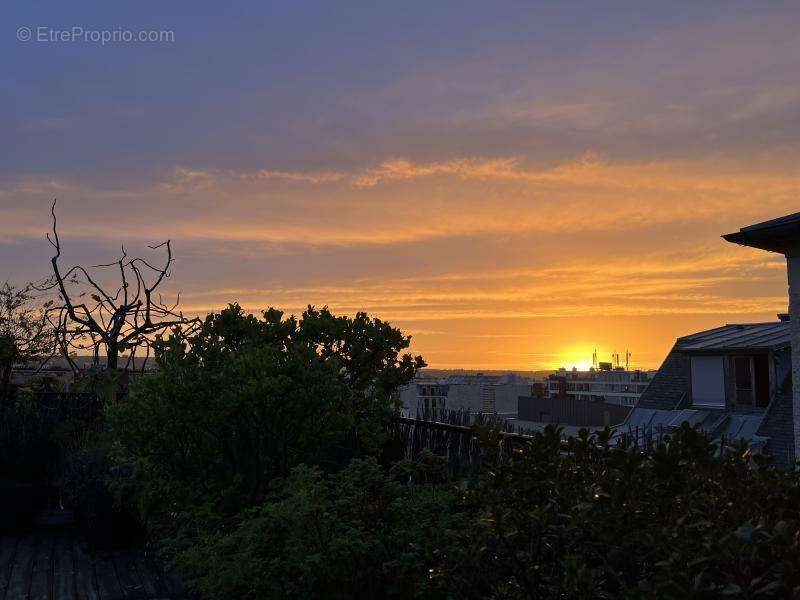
x=28 y=451
x=25 y=335
x=359 y=532
x=246 y=400
x=83 y=486
x=544 y=521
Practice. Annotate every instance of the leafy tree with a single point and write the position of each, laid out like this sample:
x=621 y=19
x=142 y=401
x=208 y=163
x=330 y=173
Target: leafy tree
x=25 y=335
x=246 y=399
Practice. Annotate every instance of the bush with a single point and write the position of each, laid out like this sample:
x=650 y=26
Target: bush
x=83 y=485
x=28 y=452
x=245 y=401
x=37 y=433
x=592 y=522
x=357 y=533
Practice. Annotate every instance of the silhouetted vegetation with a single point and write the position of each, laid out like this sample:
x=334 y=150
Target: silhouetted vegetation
x=25 y=332
x=266 y=460
x=591 y=521
x=89 y=315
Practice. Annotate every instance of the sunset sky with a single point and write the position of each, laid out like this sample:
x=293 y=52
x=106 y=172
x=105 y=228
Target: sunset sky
x=512 y=183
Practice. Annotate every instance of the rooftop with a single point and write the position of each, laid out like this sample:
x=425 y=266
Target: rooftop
x=749 y=336
x=777 y=235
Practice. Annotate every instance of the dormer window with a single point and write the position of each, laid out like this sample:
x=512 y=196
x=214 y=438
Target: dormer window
x=738 y=380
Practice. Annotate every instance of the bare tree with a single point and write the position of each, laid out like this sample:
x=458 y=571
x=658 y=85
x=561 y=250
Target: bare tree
x=88 y=316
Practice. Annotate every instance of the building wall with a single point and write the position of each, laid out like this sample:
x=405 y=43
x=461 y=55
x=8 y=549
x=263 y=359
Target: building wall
x=614 y=387
x=471 y=396
x=571 y=411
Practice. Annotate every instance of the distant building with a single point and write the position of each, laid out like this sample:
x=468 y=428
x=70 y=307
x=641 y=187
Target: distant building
x=58 y=368
x=573 y=411
x=431 y=395
x=613 y=386
x=489 y=397
x=494 y=394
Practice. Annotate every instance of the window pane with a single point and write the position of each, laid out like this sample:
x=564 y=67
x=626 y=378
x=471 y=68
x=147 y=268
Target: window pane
x=743 y=377
x=708 y=381
x=761 y=364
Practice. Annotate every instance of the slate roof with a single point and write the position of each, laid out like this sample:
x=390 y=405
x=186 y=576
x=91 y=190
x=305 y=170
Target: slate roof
x=715 y=423
x=751 y=336
x=778 y=425
x=669 y=385
x=664 y=402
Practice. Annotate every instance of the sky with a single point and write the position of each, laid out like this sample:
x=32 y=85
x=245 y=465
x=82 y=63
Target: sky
x=514 y=184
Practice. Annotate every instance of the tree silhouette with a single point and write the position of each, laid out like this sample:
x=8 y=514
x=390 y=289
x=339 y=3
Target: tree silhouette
x=87 y=316
x=25 y=333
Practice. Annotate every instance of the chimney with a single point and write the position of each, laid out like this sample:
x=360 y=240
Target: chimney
x=782 y=235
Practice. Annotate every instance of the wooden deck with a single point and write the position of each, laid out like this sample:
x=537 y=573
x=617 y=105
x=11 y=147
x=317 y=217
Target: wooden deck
x=58 y=564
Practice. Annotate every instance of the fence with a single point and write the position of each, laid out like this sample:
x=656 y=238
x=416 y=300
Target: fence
x=35 y=427
x=450 y=434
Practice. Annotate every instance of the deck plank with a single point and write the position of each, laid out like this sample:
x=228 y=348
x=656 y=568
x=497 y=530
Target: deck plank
x=41 y=570
x=168 y=584
x=63 y=570
x=20 y=580
x=83 y=582
x=128 y=576
x=58 y=564
x=146 y=577
x=8 y=549
x=107 y=583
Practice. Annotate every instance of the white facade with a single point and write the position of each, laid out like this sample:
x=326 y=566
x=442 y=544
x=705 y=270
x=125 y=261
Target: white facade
x=474 y=393
x=616 y=386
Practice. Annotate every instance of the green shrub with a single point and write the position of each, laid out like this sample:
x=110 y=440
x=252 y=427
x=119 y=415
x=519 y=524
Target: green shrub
x=362 y=532
x=247 y=400
x=83 y=484
x=592 y=522
x=27 y=451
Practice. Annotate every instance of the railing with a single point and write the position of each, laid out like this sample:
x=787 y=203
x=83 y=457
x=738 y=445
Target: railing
x=452 y=436
x=35 y=429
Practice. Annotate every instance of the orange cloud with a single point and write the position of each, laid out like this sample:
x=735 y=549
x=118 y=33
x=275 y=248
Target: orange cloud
x=454 y=218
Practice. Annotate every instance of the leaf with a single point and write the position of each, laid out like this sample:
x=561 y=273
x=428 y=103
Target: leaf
x=731 y=590
x=745 y=532
x=770 y=588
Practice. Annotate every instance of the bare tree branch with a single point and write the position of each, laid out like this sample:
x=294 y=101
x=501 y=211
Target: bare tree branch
x=119 y=320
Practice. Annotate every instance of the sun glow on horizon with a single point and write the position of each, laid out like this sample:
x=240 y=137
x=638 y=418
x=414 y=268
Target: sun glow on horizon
x=580 y=365
x=577 y=356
